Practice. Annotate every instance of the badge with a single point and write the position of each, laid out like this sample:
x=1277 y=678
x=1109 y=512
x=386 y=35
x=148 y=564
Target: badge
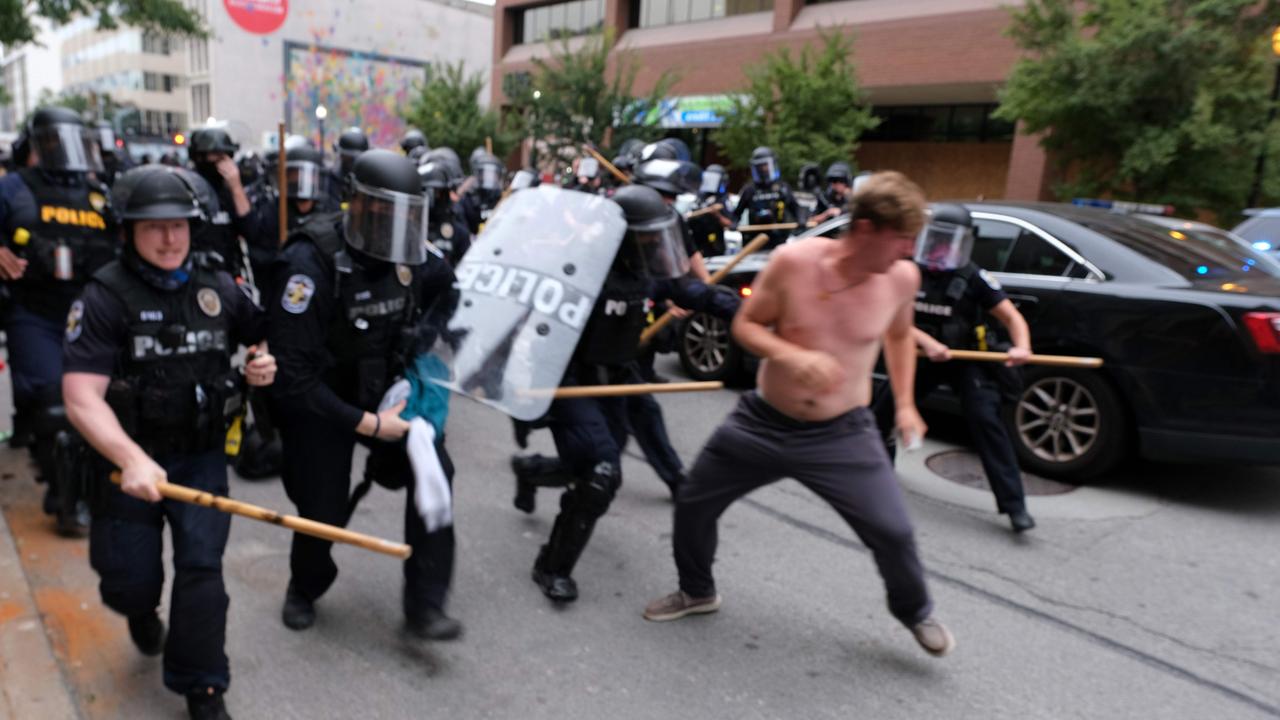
x=446 y=231
x=75 y=320
x=98 y=201
x=297 y=294
x=209 y=302
x=404 y=274
x=990 y=279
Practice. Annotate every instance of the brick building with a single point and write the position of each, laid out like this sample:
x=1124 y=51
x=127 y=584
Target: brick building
x=931 y=70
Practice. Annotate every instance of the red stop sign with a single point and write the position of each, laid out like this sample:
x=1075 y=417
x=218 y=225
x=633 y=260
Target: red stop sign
x=258 y=16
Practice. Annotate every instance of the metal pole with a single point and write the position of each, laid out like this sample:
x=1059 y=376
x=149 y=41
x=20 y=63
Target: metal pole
x=1255 y=195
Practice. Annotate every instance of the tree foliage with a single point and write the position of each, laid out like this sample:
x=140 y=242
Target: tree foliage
x=447 y=110
x=808 y=108
x=162 y=16
x=573 y=97
x=1153 y=100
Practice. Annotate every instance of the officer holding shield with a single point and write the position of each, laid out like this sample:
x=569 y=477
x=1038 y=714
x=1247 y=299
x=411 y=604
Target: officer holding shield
x=954 y=301
x=353 y=287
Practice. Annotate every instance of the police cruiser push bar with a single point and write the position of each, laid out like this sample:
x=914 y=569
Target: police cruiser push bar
x=321 y=530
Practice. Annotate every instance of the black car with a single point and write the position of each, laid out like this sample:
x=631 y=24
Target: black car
x=1188 y=328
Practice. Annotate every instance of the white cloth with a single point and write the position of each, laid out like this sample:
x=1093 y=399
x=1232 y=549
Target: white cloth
x=432 y=496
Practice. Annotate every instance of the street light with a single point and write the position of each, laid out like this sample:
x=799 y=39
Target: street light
x=1256 y=193
x=321 y=114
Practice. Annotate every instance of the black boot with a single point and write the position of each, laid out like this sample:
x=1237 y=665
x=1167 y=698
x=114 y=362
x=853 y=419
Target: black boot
x=555 y=561
x=1021 y=520
x=206 y=704
x=560 y=588
x=298 y=612
x=148 y=633
x=433 y=624
x=532 y=472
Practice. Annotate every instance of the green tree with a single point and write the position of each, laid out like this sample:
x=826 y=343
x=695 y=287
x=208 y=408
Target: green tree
x=808 y=108
x=447 y=110
x=573 y=97
x=163 y=16
x=1152 y=100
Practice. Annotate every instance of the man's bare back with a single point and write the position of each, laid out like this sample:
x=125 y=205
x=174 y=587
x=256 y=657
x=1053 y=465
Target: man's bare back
x=815 y=302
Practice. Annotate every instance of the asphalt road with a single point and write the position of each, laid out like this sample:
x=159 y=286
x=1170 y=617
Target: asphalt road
x=1151 y=595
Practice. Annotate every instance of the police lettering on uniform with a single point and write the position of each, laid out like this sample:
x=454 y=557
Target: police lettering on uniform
x=767 y=198
x=149 y=384
x=590 y=432
x=56 y=231
x=954 y=301
x=352 y=285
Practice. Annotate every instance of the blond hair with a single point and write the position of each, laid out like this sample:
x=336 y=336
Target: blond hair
x=889 y=199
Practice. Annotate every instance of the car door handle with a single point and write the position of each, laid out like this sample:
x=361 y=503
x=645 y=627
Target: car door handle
x=1020 y=300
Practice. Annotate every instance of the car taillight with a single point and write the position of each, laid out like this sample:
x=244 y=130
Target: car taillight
x=1265 y=329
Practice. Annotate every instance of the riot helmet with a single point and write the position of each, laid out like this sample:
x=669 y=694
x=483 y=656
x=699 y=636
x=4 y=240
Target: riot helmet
x=680 y=146
x=386 y=218
x=413 y=139
x=654 y=243
x=489 y=172
x=661 y=150
x=670 y=177
x=764 y=166
x=810 y=177
x=349 y=145
x=210 y=140
x=840 y=172
x=304 y=171
x=449 y=160
x=473 y=160
x=156 y=192
x=945 y=242
x=715 y=181
x=62 y=142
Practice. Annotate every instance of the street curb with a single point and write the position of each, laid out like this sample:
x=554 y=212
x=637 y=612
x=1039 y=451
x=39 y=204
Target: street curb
x=31 y=682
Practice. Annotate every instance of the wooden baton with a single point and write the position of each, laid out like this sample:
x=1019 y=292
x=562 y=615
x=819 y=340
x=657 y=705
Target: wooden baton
x=608 y=165
x=756 y=243
x=1054 y=360
x=770 y=226
x=321 y=530
x=282 y=184
x=704 y=211
x=592 y=391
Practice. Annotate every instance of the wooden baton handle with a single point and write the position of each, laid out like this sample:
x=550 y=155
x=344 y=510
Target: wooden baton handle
x=704 y=211
x=756 y=243
x=282 y=184
x=321 y=530
x=770 y=226
x=1054 y=360
x=593 y=391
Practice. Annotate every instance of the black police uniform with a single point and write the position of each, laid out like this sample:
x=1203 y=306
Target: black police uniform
x=448 y=231
x=337 y=332
x=767 y=204
x=167 y=351
x=951 y=307
x=220 y=237
x=706 y=230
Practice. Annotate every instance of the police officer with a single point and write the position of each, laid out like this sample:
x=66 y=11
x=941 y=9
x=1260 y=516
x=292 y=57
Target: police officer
x=351 y=283
x=447 y=231
x=484 y=191
x=148 y=383
x=307 y=196
x=586 y=176
x=955 y=299
x=767 y=198
x=590 y=432
x=413 y=138
x=212 y=151
x=833 y=200
x=348 y=146
x=708 y=229
x=115 y=160
x=57 y=230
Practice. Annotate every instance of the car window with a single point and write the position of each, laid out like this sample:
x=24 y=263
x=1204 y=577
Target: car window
x=834 y=231
x=1032 y=255
x=992 y=242
x=1195 y=256
x=1262 y=232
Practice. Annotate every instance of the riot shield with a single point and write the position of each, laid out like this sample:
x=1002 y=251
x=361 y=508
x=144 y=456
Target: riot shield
x=523 y=295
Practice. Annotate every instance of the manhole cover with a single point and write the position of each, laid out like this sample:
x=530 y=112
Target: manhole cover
x=964 y=468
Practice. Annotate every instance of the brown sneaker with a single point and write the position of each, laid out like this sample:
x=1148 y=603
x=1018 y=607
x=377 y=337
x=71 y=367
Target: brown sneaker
x=678 y=604
x=934 y=637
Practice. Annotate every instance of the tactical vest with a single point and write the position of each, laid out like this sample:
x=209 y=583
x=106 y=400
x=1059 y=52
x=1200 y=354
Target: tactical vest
x=612 y=334
x=769 y=205
x=707 y=230
x=70 y=229
x=945 y=309
x=373 y=310
x=451 y=237
x=173 y=388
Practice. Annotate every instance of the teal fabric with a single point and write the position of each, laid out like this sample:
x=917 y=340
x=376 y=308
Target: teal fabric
x=427 y=400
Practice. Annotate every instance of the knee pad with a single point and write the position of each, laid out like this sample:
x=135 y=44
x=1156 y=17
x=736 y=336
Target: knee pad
x=592 y=494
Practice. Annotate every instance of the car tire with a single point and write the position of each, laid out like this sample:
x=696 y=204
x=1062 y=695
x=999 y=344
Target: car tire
x=1068 y=424
x=707 y=349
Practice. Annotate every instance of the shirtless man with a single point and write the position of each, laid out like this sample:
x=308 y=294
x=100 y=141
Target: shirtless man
x=817 y=316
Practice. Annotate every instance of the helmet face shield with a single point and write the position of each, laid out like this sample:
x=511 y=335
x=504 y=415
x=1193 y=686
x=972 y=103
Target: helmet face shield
x=305 y=180
x=713 y=183
x=387 y=225
x=67 y=147
x=656 y=249
x=588 y=167
x=942 y=247
x=765 y=169
x=490 y=177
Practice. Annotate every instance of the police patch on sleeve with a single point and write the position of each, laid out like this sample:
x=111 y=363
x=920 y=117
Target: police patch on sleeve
x=75 y=320
x=989 y=279
x=297 y=294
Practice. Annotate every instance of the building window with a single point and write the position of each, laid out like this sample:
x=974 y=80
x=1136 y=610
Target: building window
x=939 y=123
x=155 y=44
x=159 y=82
x=561 y=20
x=655 y=13
x=200 y=106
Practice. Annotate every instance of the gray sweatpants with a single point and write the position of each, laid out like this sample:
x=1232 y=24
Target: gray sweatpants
x=843 y=460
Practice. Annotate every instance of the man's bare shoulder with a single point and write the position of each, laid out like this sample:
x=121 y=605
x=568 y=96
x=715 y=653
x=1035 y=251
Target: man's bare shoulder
x=905 y=276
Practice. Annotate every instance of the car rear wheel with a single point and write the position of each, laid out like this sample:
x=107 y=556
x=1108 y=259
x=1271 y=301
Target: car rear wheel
x=707 y=349
x=1068 y=425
